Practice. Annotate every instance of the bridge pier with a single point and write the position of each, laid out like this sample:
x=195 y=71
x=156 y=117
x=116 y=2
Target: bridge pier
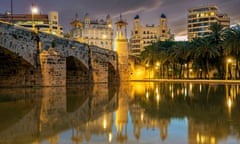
x=53 y=68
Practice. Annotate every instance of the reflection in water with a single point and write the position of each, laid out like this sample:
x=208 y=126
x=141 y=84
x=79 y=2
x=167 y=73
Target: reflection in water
x=129 y=113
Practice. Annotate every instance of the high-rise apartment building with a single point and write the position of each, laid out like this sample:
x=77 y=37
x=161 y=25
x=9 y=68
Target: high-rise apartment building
x=142 y=36
x=93 y=32
x=42 y=22
x=201 y=18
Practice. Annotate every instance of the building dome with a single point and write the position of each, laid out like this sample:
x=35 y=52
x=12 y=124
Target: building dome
x=108 y=17
x=163 y=15
x=136 y=17
x=86 y=15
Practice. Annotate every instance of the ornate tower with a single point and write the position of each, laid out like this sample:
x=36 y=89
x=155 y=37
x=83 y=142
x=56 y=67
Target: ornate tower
x=164 y=31
x=136 y=22
x=87 y=19
x=109 y=20
x=76 y=29
x=122 y=49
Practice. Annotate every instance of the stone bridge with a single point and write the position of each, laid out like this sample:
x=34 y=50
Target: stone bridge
x=29 y=58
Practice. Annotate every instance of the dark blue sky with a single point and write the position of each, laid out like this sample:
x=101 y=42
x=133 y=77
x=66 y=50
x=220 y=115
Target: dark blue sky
x=149 y=10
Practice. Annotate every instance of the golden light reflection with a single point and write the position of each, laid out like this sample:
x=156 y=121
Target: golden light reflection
x=138 y=88
x=200 y=87
x=203 y=139
x=229 y=102
x=213 y=140
x=110 y=137
x=178 y=91
x=142 y=116
x=198 y=138
x=185 y=91
x=104 y=122
x=158 y=97
x=182 y=90
x=147 y=95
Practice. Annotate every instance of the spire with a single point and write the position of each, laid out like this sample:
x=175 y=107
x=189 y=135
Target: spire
x=76 y=16
x=121 y=17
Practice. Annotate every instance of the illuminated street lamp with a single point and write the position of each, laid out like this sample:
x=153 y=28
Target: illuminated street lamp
x=34 y=10
x=229 y=60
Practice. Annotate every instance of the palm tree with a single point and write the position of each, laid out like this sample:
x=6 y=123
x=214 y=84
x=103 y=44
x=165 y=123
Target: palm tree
x=216 y=38
x=180 y=54
x=157 y=52
x=216 y=33
x=204 y=52
x=232 y=44
x=149 y=55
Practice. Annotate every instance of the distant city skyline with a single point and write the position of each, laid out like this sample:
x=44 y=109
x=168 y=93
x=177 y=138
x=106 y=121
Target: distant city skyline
x=148 y=10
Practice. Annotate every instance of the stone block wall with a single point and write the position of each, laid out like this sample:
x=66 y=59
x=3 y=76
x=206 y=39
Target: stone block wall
x=27 y=45
x=53 y=68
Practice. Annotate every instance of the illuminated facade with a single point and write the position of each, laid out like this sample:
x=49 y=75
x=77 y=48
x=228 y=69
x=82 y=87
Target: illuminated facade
x=142 y=36
x=42 y=22
x=122 y=49
x=201 y=18
x=93 y=32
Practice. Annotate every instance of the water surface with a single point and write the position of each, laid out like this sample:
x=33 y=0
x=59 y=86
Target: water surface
x=130 y=113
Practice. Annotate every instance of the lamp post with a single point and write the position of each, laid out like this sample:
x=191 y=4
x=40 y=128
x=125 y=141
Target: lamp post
x=229 y=60
x=34 y=10
x=158 y=66
x=147 y=67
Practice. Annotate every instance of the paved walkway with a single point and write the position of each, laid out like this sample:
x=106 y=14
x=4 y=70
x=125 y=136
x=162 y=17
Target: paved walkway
x=191 y=81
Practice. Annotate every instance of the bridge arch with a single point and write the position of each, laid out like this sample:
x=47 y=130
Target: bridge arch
x=113 y=75
x=77 y=72
x=16 y=71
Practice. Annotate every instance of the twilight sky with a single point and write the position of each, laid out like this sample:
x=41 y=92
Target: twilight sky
x=149 y=10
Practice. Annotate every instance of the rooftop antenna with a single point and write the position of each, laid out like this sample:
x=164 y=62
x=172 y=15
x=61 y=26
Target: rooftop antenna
x=11 y=11
x=76 y=16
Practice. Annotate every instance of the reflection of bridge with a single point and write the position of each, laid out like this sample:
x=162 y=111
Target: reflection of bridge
x=20 y=51
x=45 y=120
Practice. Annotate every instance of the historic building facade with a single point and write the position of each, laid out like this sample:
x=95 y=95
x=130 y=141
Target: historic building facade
x=122 y=49
x=42 y=22
x=201 y=18
x=93 y=32
x=142 y=36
